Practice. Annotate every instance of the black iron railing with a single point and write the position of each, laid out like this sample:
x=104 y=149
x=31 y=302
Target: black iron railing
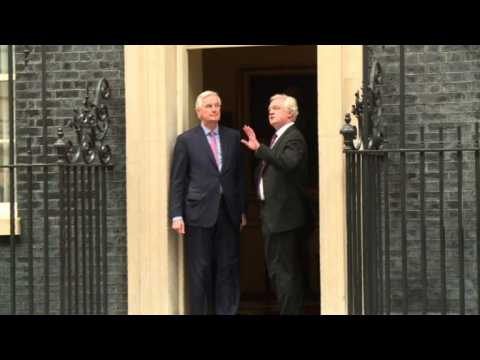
x=399 y=216
x=413 y=212
x=58 y=264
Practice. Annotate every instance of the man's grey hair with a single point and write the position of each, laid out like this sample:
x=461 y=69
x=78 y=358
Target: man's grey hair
x=203 y=95
x=289 y=102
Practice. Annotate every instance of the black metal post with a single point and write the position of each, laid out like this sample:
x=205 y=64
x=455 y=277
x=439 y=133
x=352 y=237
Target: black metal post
x=75 y=238
x=443 y=279
x=350 y=253
x=461 y=250
x=84 y=241
x=61 y=171
x=402 y=96
x=97 y=239
x=12 y=181
x=365 y=233
x=105 y=240
x=423 y=245
x=45 y=179
x=68 y=239
x=387 y=234
x=30 y=225
x=477 y=193
x=354 y=234
x=46 y=252
x=360 y=304
x=90 y=239
x=378 y=226
x=60 y=146
x=404 y=251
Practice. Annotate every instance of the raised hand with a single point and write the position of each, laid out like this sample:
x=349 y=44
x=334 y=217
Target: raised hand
x=252 y=142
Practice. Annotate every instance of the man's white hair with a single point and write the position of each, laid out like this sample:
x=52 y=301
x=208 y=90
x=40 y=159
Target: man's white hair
x=289 y=102
x=203 y=95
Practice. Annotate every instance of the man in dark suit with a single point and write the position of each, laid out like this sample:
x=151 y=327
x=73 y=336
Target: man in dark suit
x=281 y=178
x=207 y=205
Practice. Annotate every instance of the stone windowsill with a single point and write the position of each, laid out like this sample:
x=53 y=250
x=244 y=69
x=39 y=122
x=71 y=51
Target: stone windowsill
x=5 y=219
x=5 y=226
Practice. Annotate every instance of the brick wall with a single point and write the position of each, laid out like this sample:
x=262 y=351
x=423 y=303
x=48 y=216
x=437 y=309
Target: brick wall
x=442 y=87
x=69 y=69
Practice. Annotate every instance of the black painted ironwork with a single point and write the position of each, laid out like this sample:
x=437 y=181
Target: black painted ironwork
x=91 y=125
x=368 y=105
x=393 y=194
x=65 y=269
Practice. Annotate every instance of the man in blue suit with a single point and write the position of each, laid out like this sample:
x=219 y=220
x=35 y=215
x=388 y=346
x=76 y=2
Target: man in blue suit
x=207 y=205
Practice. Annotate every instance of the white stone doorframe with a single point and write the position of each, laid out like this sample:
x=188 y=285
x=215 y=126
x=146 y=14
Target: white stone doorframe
x=160 y=83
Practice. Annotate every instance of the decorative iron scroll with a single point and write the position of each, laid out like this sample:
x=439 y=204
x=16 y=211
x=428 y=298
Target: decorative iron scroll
x=91 y=126
x=368 y=110
x=27 y=50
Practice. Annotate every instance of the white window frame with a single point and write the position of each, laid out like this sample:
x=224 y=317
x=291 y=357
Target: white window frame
x=5 y=205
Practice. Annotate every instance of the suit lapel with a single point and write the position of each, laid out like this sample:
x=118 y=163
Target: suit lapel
x=206 y=146
x=282 y=139
x=225 y=149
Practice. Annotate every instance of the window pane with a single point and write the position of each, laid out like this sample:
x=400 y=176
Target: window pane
x=3 y=59
x=4 y=175
x=4 y=136
x=4 y=148
x=4 y=125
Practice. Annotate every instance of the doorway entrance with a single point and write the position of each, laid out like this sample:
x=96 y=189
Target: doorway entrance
x=246 y=78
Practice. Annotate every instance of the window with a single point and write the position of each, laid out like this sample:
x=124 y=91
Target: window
x=4 y=127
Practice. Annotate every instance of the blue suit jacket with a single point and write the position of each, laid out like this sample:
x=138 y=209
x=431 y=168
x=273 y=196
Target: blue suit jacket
x=195 y=178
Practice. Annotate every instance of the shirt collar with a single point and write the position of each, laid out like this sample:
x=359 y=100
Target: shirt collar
x=207 y=130
x=284 y=128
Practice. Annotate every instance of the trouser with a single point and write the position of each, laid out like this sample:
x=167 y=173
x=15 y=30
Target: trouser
x=283 y=264
x=214 y=267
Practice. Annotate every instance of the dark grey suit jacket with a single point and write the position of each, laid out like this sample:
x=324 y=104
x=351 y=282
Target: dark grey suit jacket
x=195 y=178
x=284 y=182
